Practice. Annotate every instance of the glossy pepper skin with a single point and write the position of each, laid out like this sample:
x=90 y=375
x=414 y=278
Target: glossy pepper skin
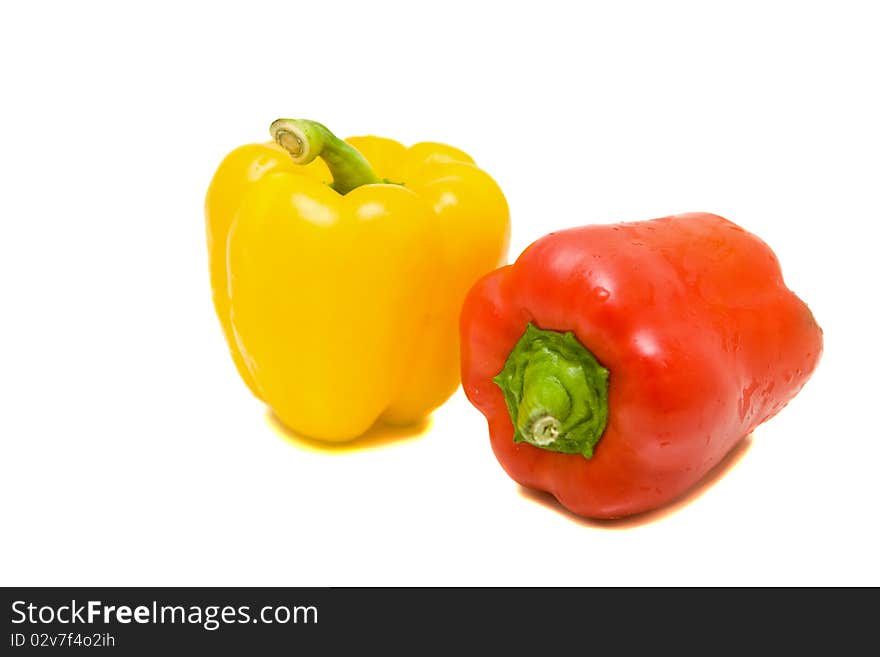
x=696 y=341
x=338 y=280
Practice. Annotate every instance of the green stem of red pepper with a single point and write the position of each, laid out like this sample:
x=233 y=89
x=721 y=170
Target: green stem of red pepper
x=556 y=392
x=305 y=140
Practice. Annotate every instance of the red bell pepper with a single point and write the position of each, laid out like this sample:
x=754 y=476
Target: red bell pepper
x=617 y=364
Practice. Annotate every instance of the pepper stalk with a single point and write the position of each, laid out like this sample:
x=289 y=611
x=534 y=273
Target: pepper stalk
x=556 y=392
x=305 y=140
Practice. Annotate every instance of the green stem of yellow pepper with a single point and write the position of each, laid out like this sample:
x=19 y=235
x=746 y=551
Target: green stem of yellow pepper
x=305 y=140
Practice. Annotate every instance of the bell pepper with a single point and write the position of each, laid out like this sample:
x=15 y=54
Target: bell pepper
x=338 y=269
x=617 y=364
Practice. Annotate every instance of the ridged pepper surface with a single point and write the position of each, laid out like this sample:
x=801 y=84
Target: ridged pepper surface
x=617 y=364
x=338 y=280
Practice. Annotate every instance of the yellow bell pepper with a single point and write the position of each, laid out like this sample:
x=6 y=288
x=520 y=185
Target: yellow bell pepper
x=338 y=271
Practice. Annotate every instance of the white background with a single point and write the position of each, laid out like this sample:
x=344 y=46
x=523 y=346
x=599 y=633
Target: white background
x=133 y=455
